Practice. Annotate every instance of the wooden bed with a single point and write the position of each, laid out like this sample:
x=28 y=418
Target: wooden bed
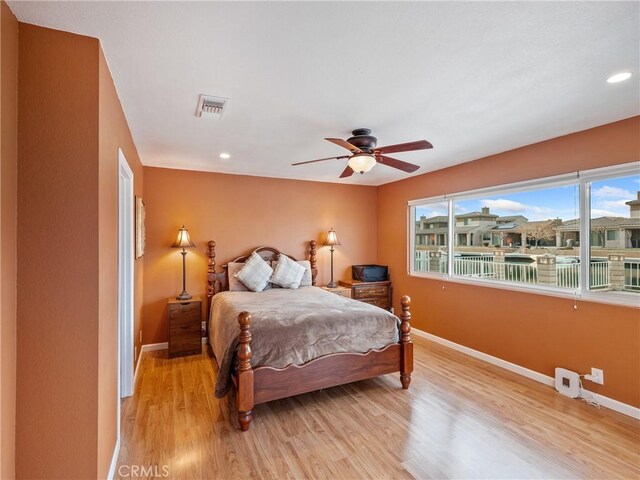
x=263 y=384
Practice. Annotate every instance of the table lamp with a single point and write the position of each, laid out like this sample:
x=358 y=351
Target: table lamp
x=332 y=240
x=183 y=241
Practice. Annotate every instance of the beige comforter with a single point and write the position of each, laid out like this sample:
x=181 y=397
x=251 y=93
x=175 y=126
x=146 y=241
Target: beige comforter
x=294 y=327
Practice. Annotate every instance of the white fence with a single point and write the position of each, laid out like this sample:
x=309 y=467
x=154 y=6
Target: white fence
x=632 y=276
x=567 y=275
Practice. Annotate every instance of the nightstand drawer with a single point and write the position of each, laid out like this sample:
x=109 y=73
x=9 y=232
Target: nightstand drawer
x=370 y=292
x=189 y=329
x=184 y=310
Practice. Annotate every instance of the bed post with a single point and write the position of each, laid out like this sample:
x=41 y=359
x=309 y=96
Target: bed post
x=245 y=372
x=213 y=284
x=406 y=347
x=312 y=261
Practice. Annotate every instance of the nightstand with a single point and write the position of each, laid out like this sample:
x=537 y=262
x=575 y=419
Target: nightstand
x=342 y=291
x=375 y=293
x=184 y=326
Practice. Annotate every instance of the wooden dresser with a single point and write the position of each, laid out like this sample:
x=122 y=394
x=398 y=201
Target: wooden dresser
x=184 y=327
x=375 y=293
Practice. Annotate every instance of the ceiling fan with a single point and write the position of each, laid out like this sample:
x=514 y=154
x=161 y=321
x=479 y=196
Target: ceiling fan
x=365 y=154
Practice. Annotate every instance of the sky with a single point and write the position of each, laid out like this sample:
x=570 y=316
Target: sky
x=608 y=199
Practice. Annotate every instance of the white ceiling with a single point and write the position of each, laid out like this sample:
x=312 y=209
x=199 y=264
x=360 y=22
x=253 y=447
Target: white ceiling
x=472 y=78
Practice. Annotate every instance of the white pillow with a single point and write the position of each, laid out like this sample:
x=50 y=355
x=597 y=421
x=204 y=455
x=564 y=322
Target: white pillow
x=306 y=278
x=288 y=273
x=255 y=274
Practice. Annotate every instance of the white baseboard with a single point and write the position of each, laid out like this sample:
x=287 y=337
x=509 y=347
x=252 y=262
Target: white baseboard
x=154 y=346
x=150 y=347
x=114 y=461
x=147 y=348
x=526 y=372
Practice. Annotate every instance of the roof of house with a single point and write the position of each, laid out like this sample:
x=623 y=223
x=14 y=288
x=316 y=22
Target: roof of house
x=512 y=218
x=476 y=214
x=507 y=226
x=600 y=222
x=634 y=202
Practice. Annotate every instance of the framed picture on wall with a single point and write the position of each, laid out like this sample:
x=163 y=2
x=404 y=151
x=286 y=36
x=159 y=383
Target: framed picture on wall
x=139 y=227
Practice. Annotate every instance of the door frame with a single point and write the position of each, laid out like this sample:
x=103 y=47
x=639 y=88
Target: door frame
x=125 y=280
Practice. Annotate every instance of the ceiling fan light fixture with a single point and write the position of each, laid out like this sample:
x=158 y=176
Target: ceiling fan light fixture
x=362 y=162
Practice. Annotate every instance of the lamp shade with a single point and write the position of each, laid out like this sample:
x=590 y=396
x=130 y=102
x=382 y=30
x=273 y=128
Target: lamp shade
x=362 y=163
x=183 y=240
x=332 y=238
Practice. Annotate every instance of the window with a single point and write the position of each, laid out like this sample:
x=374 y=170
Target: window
x=528 y=235
x=524 y=227
x=614 y=250
x=430 y=236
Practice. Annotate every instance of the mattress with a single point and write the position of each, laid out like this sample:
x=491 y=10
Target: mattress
x=293 y=327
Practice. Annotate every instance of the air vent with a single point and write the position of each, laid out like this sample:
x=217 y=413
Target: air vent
x=212 y=107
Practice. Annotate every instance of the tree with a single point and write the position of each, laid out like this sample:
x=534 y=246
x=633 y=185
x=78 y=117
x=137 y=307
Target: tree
x=599 y=230
x=543 y=230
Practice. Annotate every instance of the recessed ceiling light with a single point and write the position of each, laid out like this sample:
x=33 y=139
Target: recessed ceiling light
x=619 y=77
x=225 y=156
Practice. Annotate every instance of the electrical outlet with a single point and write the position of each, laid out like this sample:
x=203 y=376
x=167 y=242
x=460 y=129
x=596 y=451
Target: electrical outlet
x=597 y=376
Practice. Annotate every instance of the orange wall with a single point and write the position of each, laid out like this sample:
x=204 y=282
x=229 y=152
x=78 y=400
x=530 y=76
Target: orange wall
x=8 y=234
x=56 y=434
x=70 y=127
x=113 y=134
x=535 y=331
x=241 y=213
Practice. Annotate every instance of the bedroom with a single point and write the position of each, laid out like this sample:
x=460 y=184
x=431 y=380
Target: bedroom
x=527 y=99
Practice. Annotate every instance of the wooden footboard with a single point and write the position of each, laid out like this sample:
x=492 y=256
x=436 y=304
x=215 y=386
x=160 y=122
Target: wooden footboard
x=265 y=384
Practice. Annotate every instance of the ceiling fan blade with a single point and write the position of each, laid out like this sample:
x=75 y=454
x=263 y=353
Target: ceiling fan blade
x=405 y=147
x=320 y=160
x=344 y=144
x=399 y=164
x=347 y=172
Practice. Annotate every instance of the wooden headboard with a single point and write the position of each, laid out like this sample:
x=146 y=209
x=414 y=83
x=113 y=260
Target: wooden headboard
x=219 y=282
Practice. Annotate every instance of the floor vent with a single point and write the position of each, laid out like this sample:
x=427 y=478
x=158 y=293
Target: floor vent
x=209 y=106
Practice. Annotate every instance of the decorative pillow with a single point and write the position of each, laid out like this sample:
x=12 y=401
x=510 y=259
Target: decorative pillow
x=288 y=273
x=255 y=274
x=235 y=285
x=306 y=278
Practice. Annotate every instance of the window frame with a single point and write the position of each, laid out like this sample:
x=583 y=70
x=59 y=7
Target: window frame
x=581 y=179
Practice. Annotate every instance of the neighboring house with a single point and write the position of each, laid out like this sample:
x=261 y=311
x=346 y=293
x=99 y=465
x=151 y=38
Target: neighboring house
x=471 y=227
x=607 y=232
x=432 y=231
x=507 y=231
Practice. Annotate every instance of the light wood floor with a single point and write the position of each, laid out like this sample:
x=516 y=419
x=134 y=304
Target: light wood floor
x=461 y=418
